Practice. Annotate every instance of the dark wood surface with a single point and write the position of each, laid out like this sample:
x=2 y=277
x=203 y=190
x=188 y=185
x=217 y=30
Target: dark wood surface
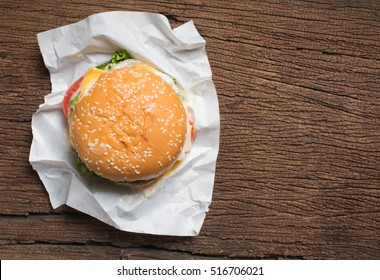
x=298 y=173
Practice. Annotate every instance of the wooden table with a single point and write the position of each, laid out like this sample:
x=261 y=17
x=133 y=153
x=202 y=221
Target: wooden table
x=298 y=173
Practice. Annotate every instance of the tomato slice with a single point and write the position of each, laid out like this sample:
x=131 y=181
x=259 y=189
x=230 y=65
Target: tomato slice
x=69 y=93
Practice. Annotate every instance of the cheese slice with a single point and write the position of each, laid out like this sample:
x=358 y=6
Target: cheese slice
x=90 y=78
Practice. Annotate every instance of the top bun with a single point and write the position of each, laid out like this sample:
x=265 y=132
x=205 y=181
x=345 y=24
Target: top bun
x=130 y=126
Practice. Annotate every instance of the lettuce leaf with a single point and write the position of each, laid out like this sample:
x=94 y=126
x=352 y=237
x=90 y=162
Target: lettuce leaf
x=117 y=57
x=120 y=56
x=74 y=100
x=83 y=169
x=102 y=66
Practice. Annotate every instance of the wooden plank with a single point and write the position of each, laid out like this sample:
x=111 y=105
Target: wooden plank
x=58 y=252
x=299 y=166
x=91 y=252
x=239 y=235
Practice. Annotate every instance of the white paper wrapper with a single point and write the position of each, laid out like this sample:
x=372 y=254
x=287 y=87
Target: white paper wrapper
x=176 y=204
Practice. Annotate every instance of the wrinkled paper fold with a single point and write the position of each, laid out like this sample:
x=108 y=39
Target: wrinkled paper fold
x=177 y=203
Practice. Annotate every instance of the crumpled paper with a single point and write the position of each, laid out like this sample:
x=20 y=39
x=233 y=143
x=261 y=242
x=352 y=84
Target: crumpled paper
x=176 y=204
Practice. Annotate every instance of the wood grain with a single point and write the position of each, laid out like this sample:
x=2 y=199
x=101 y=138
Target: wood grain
x=298 y=173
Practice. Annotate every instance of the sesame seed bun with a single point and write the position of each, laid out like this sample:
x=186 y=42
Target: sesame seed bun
x=129 y=126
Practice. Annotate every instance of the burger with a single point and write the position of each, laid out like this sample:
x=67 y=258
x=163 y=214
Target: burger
x=128 y=122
